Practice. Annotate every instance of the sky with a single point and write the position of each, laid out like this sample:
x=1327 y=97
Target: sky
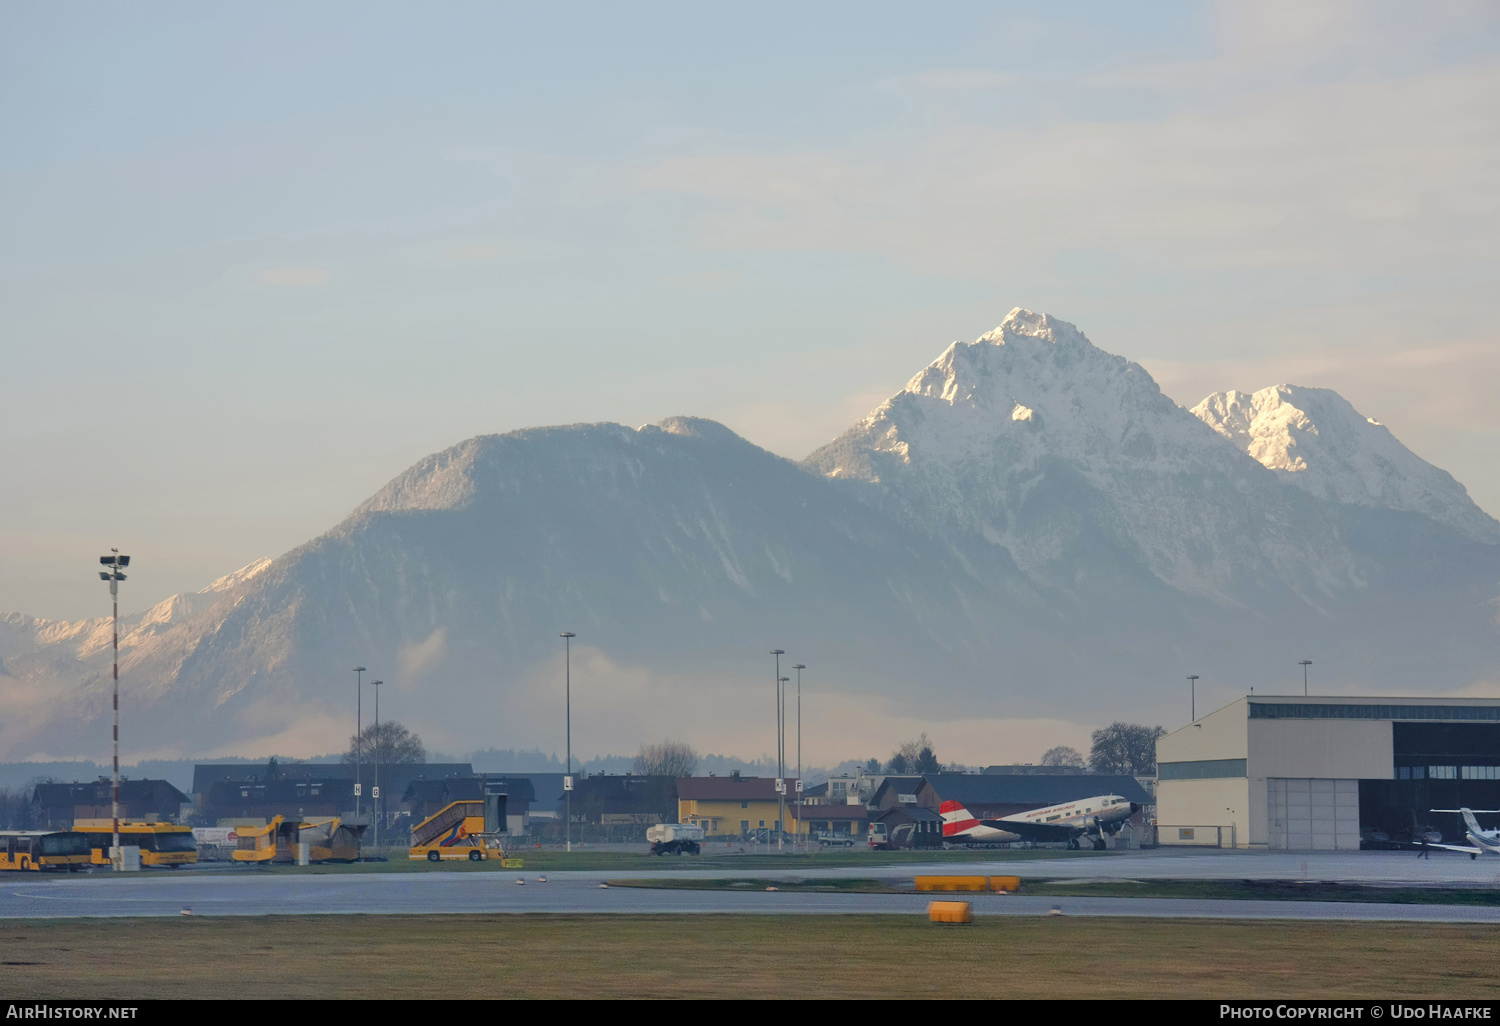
x=257 y=259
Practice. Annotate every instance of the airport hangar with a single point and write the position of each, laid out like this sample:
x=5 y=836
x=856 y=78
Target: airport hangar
x=1295 y=773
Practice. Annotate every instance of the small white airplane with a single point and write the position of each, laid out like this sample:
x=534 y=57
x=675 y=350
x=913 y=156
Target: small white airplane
x=1070 y=821
x=1485 y=842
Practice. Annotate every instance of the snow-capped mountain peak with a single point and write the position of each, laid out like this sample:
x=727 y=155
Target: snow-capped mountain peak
x=1034 y=384
x=1004 y=436
x=1315 y=439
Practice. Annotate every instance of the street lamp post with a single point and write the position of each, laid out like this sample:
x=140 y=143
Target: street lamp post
x=358 y=741
x=1304 y=663
x=568 y=637
x=1193 y=696
x=780 y=795
x=375 y=791
x=781 y=684
x=799 y=668
x=116 y=563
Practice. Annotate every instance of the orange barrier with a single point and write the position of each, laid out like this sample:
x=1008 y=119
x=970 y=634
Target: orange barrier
x=952 y=883
x=949 y=912
x=1010 y=884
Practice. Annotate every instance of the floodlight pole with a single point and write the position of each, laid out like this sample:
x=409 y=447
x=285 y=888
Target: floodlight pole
x=1193 y=697
x=358 y=741
x=375 y=793
x=568 y=637
x=1304 y=663
x=780 y=795
x=781 y=689
x=115 y=561
x=798 y=807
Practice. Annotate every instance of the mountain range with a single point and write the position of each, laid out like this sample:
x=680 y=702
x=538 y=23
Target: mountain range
x=1029 y=527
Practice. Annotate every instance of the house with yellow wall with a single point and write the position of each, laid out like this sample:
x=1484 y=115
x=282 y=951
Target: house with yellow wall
x=733 y=806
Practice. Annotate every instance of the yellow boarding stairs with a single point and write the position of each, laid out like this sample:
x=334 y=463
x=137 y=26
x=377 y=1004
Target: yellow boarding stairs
x=471 y=830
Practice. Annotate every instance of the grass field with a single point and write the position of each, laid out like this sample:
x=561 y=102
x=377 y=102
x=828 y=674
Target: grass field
x=539 y=956
x=1258 y=890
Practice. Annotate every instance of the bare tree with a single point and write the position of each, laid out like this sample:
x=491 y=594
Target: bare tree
x=389 y=744
x=667 y=759
x=915 y=756
x=16 y=811
x=1062 y=755
x=1125 y=748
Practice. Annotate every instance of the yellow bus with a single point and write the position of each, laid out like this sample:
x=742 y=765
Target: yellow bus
x=43 y=849
x=161 y=844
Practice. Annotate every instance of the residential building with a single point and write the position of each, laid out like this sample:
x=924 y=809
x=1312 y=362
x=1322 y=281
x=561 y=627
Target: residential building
x=732 y=806
x=56 y=806
x=843 y=820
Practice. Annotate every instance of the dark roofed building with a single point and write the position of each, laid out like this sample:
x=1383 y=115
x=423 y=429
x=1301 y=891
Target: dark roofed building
x=393 y=775
x=1028 y=769
x=246 y=792
x=205 y=775
x=731 y=788
x=547 y=793
x=423 y=797
x=895 y=790
x=624 y=799
x=851 y=821
x=56 y=806
x=910 y=826
x=231 y=802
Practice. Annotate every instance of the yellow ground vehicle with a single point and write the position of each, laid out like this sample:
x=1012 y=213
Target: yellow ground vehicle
x=43 y=849
x=464 y=830
x=328 y=840
x=161 y=844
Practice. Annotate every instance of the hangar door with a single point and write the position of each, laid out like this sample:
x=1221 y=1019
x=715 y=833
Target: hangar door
x=1317 y=814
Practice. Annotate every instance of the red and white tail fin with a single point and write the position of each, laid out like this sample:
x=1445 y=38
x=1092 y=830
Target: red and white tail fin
x=956 y=819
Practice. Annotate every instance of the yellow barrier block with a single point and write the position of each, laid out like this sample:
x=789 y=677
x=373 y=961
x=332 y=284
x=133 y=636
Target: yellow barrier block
x=1005 y=883
x=952 y=883
x=949 y=912
x=512 y=863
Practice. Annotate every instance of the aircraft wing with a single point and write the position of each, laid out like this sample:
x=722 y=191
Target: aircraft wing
x=1456 y=847
x=1035 y=831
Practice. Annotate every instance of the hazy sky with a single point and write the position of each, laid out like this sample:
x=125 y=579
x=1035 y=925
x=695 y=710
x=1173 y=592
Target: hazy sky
x=256 y=259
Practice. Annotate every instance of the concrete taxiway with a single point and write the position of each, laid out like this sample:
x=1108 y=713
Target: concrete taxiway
x=252 y=893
